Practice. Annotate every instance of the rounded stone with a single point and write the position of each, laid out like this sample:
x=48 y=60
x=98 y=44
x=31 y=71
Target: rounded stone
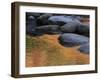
x=84 y=48
x=33 y=14
x=70 y=27
x=50 y=29
x=71 y=40
x=61 y=20
x=83 y=30
x=43 y=19
x=30 y=24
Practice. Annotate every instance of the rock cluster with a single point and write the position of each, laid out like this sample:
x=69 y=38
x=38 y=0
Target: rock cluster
x=72 y=32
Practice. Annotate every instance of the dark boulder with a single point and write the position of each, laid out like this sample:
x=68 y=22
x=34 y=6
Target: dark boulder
x=69 y=27
x=84 y=48
x=83 y=30
x=36 y=15
x=49 y=29
x=43 y=19
x=30 y=24
x=71 y=40
x=79 y=18
x=61 y=20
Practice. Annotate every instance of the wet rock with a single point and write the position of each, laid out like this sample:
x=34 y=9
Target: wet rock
x=43 y=19
x=50 y=29
x=83 y=30
x=84 y=48
x=71 y=40
x=70 y=27
x=61 y=20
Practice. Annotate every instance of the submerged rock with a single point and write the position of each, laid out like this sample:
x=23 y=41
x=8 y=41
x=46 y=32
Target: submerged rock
x=71 y=40
x=84 y=48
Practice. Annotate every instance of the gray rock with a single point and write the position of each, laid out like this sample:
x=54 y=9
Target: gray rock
x=70 y=27
x=61 y=20
x=33 y=14
x=50 y=29
x=30 y=24
x=83 y=30
x=71 y=40
x=84 y=48
x=43 y=19
x=79 y=18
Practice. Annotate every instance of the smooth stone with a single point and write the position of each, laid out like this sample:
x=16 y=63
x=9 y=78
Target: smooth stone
x=33 y=14
x=43 y=19
x=83 y=30
x=70 y=27
x=36 y=33
x=84 y=48
x=79 y=18
x=50 y=29
x=61 y=20
x=30 y=25
x=71 y=40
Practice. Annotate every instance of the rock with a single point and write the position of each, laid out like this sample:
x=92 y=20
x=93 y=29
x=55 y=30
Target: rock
x=84 y=48
x=49 y=29
x=71 y=40
x=43 y=19
x=33 y=14
x=83 y=30
x=61 y=20
x=79 y=18
x=30 y=24
x=70 y=27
